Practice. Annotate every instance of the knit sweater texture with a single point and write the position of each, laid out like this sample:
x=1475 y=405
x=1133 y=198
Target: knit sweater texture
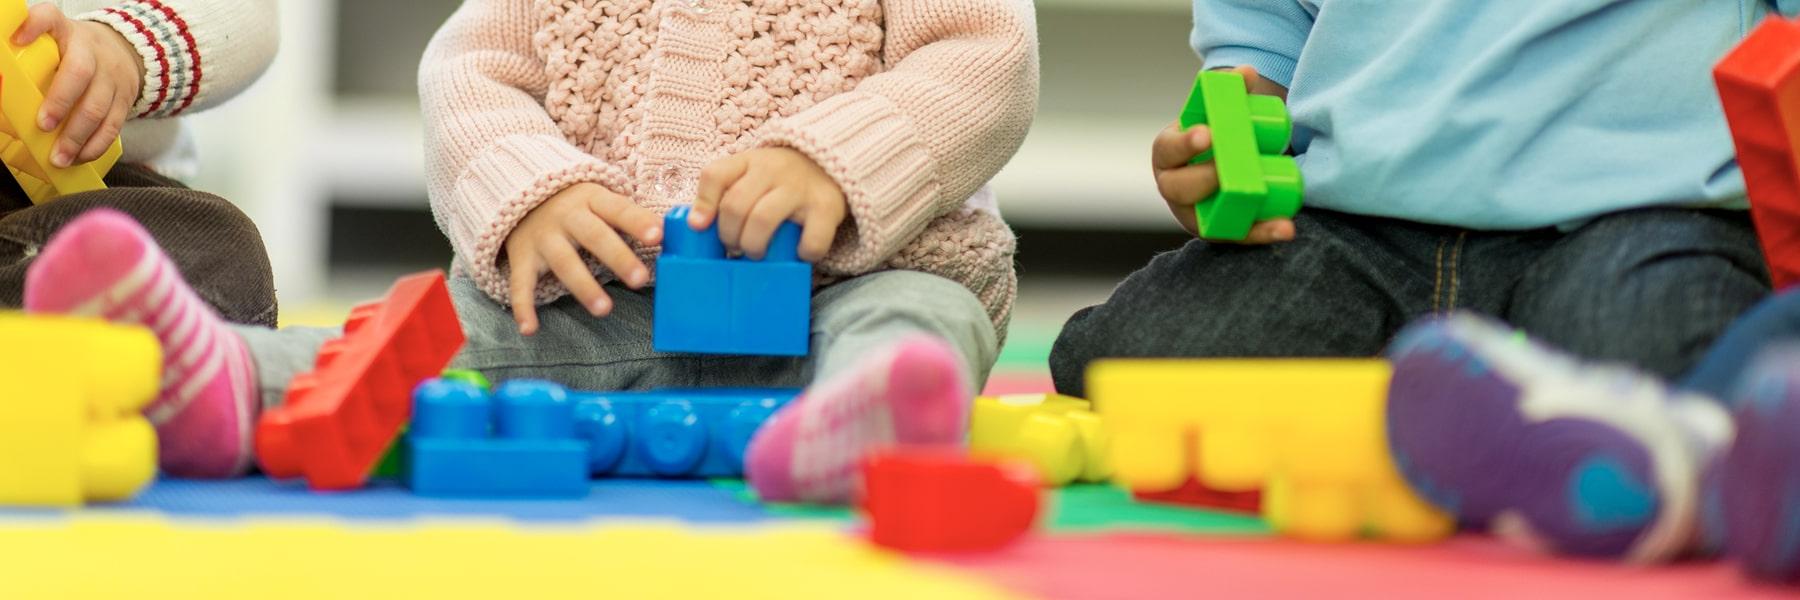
x=196 y=53
x=910 y=105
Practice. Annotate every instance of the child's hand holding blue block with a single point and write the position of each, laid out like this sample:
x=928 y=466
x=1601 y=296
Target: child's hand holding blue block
x=708 y=303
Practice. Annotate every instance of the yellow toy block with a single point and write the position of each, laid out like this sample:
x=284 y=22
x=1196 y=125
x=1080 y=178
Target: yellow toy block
x=70 y=428
x=1059 y=435
x=1311 y=434
x=25 y=74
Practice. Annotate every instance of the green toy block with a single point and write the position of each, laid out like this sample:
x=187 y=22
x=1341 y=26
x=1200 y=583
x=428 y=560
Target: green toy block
x=1249 y=134
x=469 y=376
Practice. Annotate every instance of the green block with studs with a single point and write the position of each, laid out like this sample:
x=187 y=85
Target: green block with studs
x=1249 y=134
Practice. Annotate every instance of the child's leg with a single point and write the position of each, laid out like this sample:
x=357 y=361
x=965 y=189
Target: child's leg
x=105 y=265
x=1509 y=434
x=1652 y=288
x=897 y=355
x=216 y=248
x=1774 y=321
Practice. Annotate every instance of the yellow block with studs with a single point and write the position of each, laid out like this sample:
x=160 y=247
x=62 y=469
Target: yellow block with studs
x=71 y=394
x=1311 y=434
x=1059 y=435
x=25 y=75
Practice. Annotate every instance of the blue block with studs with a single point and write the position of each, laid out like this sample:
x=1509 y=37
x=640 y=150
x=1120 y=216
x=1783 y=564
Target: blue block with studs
x=519 y=442
x=673 y=433
x=710 y=303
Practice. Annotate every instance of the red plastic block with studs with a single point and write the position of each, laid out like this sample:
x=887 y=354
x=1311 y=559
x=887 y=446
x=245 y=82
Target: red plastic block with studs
x=1759 y=83
x=339 y=418
x=940 y=500
x=1194 y=493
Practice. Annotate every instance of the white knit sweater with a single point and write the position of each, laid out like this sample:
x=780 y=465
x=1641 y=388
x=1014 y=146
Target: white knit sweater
x=197 y=54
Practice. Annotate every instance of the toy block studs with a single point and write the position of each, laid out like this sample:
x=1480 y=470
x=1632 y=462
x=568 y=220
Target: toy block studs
x=1759 y=84
x=673 y=433
x=939 y=500
x=517 y=442
x=71 y=429
x=25 y=74
x=340 y=418
x=1310 y=435
x=1249 y=133
x=1059 y=435
x=709 y=303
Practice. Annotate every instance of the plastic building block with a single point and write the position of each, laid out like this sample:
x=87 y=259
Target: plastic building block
x=1249 y=134
x=709 y=303
x=469 y=376
x=25 y=73
x=673 y=433
x=1310 y=434
x=70 y=424
x=1059 y=435
x=395 y=459
x=518 y=442
x=1193 y=493
x=1759 y=84
x=341 y=417
x=940 y=500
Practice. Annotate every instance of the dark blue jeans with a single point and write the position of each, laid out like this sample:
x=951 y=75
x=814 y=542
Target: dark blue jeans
x=1651 y=287
x=1773 y=323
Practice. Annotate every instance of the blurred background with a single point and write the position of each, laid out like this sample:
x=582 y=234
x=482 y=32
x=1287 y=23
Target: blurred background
x=326 y=154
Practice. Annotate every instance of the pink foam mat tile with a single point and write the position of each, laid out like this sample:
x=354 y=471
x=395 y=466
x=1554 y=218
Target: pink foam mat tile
x=1142 y=566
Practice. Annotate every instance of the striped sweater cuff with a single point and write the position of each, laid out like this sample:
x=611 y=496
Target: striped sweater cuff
x=172 y=66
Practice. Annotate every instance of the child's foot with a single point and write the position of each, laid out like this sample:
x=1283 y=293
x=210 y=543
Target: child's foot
x=105 y=265
x=1753 y=493
x=913 y=393
x=1508 y=434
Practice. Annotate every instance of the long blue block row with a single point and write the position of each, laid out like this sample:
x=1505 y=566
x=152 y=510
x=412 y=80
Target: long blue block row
x=708 y=303
x=535 y=439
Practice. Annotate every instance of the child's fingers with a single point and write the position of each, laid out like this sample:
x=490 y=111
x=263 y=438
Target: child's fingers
x=572 y=271
x=523 y=290
x=1188 y=185
x=621 y=214
x=39 y=20
x=1170 y=149
x=103 y=136
x=771 y=211
x=604 y=244
x=820 y=229
x=714 y=180
x=73 y=78
x=1271 y=232
x=737 y=205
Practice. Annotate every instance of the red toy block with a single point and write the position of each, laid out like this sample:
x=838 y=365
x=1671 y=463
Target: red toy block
x=940 y=500
x=339 y=418
x=1759 y=83
x=1193 y=493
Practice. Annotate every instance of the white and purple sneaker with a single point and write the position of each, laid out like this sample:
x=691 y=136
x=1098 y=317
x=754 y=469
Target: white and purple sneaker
x=1752 y=508
x=1519 y=439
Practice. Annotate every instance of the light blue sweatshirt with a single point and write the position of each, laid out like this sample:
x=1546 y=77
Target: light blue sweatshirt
x=1496 y=114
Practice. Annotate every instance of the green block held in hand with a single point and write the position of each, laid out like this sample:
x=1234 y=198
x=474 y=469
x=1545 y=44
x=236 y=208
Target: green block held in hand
x=1249 y=134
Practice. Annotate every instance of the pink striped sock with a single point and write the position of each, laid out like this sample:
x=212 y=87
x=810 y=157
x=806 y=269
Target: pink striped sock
x=914 y=393
x=105 y=265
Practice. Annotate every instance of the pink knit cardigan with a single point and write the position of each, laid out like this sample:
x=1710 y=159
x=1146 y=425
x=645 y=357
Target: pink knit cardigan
x=911 y=105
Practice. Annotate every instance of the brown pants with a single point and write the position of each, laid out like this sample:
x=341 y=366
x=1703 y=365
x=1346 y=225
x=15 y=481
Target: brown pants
x=215 y=245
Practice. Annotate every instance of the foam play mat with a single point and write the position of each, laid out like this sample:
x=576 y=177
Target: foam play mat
x=708 y=539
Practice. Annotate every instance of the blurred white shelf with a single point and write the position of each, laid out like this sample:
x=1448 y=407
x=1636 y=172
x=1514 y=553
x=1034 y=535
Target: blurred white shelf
x=372 y=153
x=1083 y=172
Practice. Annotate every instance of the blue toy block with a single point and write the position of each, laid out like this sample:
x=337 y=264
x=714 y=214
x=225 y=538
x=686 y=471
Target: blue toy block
x=708 y=303
x=519 y=442
x=673 y=433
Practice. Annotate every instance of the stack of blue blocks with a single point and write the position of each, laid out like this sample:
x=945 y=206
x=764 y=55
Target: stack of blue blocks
x=708 y=303
x=536 y=439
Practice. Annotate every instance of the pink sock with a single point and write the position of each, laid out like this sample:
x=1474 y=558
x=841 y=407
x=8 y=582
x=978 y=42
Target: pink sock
x=913 y=393
x=105 y=265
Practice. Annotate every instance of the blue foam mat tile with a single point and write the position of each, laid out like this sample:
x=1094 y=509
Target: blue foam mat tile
x=692 y=501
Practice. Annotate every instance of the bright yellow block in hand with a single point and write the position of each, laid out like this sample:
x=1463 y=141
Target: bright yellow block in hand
x=25 y=74
x=71 y=393
x=1311 y=434
x=1059 y=435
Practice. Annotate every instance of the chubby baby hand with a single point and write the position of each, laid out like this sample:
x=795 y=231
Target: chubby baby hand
x=750 y=193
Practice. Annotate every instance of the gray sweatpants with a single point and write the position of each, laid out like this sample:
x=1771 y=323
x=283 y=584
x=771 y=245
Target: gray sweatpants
x=850 y=319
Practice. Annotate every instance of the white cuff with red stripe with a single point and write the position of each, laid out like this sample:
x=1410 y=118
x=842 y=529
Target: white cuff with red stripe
x=172 y=68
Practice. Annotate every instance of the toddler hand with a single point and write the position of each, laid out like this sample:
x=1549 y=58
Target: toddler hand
x=752 y=192
x=551 y=237
x=1183 y=185
x=100 y=71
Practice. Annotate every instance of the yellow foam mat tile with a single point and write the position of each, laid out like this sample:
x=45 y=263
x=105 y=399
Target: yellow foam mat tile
x=148 y=557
